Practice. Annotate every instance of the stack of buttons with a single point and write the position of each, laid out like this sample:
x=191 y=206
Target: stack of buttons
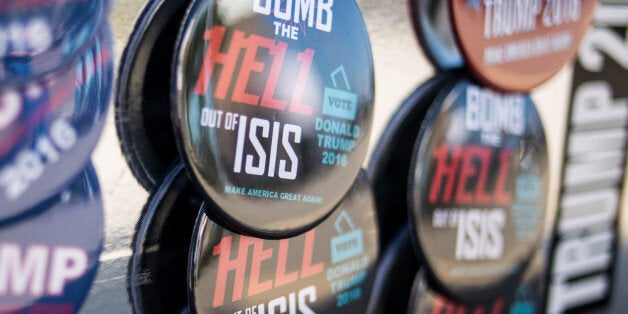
x=249 y=121
x=272 y=118
x=476 y=180
x=55 y=85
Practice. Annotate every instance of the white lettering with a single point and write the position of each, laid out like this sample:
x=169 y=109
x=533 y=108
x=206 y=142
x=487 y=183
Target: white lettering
x=324 y=15
x=594 y=104
x=317 y=13
x=310 y=293
x=491 y=112
x=10 y=108
x=594 y=170
x=262 y=7
x=67 y=264
x=510 y=17
x=480 y=235
x=31 y=36
x=24 y=271
x=280 y=303
x=598 y=42
x=261 y=153
x=286 y=13
x=304 y=9
x=237 y=165
x=576 y=257
x=19 y=276
x=288 y=169
x=294 y=159
x=294 y=303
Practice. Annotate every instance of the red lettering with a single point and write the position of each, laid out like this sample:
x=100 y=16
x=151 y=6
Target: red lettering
x=461 y=309
x=48 y=308
x=466 y=164
x=229 y=60
x=296 y=106
x=259 y=255
x=467 y=171
x=479 y=310
x=470 y=154
x=225 y=264
x=307 y=268
x=279 y=51
x=238 y=264
x=443 y=305
x=249 y=64
x=438 y=305
x=498 y=306
x=485 y=161
x=444 y=171
x=501 y=195
x=213 y=56
x=281 y=278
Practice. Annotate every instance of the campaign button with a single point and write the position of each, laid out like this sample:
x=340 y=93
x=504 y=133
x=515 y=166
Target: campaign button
x=272 y=104
x=517 y=45
x=478 y=189
x=142 y=99
x=389 y=165
x=41 y=37
x=54 y=126
x=328 y=269
x=48 y=262
x=157 y=275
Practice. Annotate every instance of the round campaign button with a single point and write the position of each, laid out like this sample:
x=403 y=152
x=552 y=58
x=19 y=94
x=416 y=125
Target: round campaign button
x=37 y=37
x=272 y=108
x=48 y=262
x=51 y=128
x=508 y=44
x=517 y=45
x=143 y=92
x=328 y=269
x=161 y=246
x=389 y=164
x=478 y=189
x=528 y=298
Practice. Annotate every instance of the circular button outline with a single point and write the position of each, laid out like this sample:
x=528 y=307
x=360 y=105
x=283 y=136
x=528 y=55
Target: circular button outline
x=430 y=19
x=157 y=273
x=76 y=215
x=449 y=43
x=142 y=104
x=356 y=212
x=516 y=76
x=471 y=291
x=237 y=217
x=388 y=167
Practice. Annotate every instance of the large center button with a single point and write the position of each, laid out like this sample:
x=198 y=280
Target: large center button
x=272 y=108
